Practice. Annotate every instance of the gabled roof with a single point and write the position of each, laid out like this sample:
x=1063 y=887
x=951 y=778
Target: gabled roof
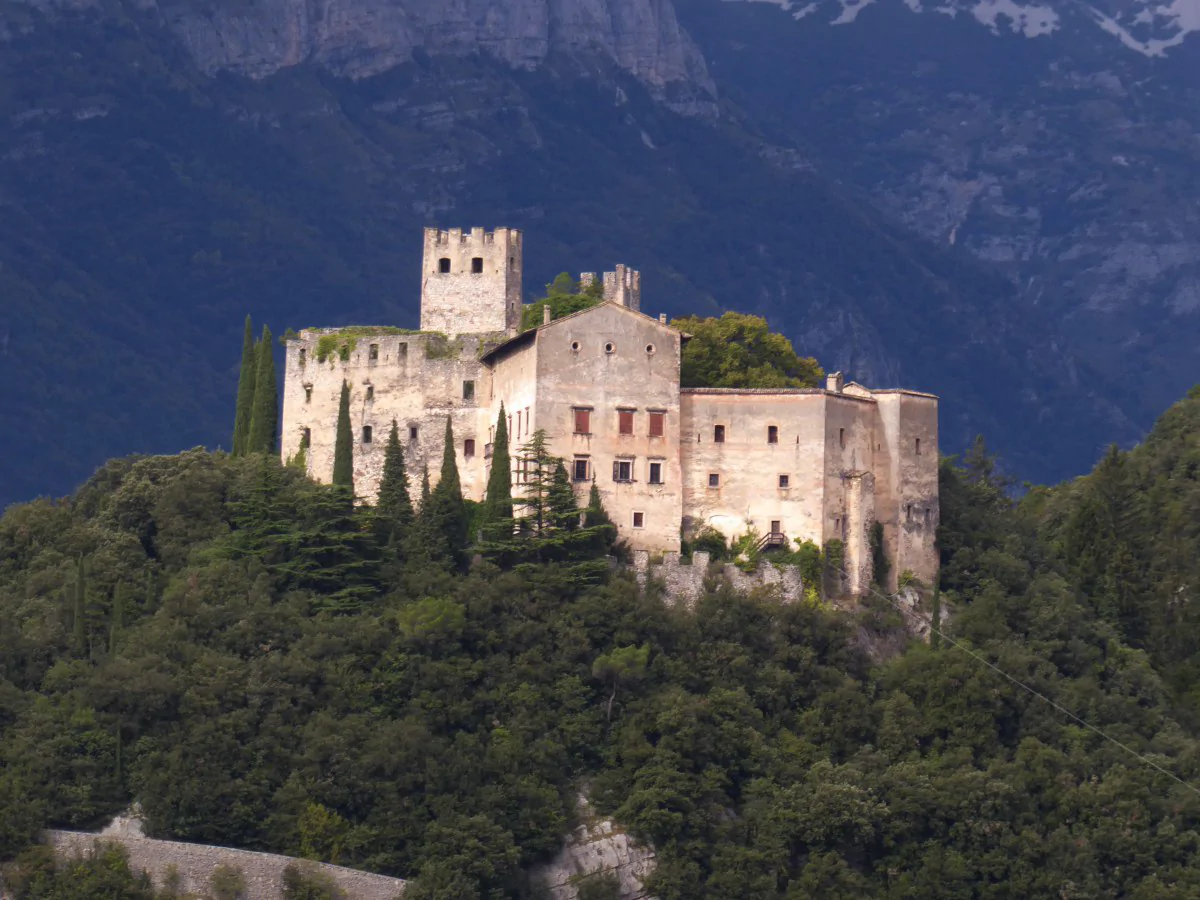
x=527 y=337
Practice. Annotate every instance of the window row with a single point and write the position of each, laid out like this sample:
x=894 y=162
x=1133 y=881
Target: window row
x=468 y=391
x=624 y=471
x=656 y=421
x=445 y=265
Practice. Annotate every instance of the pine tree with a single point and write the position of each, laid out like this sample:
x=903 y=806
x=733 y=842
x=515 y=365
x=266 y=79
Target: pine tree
x=595 y=515
x=245 y=392
x=343 y=448
x=498 y=504
x=264 y=417
x=440 y=532
x=393 y=509
x=331 y=554
x=561 y=506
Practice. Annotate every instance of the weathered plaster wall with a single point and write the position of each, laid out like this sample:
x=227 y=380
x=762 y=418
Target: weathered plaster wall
x=908 y=503
x=749 y=467
x=463 y=301
x=195 y=864
x=640 y=373
x=403 y=383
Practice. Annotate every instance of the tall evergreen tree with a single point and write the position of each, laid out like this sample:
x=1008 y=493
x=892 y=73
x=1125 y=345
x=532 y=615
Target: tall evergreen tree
x=343 y=448
x=498 y=504
x=264 y=417
x=393 y=509
x=440 y=534
x=245 y=393
x=425 y=492
x=79 y=608
x=561 y=506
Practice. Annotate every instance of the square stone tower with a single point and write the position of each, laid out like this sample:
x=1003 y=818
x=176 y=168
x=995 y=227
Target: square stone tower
x=471 y=281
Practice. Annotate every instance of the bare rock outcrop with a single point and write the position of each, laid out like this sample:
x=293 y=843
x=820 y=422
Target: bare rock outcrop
x=598 y=847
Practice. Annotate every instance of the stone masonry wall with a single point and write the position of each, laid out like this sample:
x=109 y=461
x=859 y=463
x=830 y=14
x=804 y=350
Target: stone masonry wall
x=195 y=864
x=685 y=583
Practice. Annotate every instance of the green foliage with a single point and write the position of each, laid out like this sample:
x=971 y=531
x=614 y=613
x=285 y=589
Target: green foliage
x=712 y=540
x=880 y=565
x=264 y=416
x=228 y=883
x=600 y=886
x=103 y=873
x=441 y=347
x=309 y=883
x=336 y=344
x=497 y=510
x=343 y=447
x=245 y=391
x=564 y=296
x=740 y=351
x=440 y=532
x=393 y=508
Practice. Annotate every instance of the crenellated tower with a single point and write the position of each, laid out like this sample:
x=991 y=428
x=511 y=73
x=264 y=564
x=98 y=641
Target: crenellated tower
x=471 y=281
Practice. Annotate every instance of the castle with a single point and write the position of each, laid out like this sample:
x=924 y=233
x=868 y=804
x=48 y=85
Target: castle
x=818 y=464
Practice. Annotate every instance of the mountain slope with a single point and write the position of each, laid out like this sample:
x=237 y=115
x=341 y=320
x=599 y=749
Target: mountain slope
x=148 y=205
x=1028 y=134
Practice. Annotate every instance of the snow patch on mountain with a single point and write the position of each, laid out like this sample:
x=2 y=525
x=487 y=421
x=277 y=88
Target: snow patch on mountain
x=1150 y=27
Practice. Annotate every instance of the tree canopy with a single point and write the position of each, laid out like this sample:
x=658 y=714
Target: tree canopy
x=740 y=351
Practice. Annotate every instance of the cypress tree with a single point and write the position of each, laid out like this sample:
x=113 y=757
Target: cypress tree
x=562 y=507
x=245 y=393
x=264 y=417
x=425 y=492
x=440 y=533
x=393 y=509
x=595 y=515
x=498 y=506
x=343 y=448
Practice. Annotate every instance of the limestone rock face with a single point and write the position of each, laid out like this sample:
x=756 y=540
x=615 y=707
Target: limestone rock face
x=596 y=847
x=359 y=38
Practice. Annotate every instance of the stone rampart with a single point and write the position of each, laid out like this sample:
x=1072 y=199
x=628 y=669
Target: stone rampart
x=193 y=864
x=684 y=583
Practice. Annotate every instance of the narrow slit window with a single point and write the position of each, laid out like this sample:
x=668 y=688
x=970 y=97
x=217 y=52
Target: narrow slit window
x=579 y=471
x=918 y=446
x=714 y=480
x=306 y=439
x=370 y=392
x=841 y=437
x=303 y=356
x=412 y=432
x=444 y=265
x=373 y=353
x=927 y=515
x=772 y=434
x=625 y=421
x=639 y=520
x=518 y=431
x=718 y=434
x=477 y=265
x=366 y=434
x=469 y=448
x=785 y=481
x=308 y=393
x=908 y=512
x=583 y=421
x=656 y=473
x=657 y=424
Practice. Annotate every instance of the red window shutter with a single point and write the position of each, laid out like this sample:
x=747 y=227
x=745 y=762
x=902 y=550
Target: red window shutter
x=625 y=421
x=582 y=421
x=656 y=424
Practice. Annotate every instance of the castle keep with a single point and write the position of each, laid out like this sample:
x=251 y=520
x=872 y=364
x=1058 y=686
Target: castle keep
x=810 y=464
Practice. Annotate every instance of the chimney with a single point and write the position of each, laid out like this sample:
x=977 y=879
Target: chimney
x=662 y=318
x=834 y=382
x=546 y=313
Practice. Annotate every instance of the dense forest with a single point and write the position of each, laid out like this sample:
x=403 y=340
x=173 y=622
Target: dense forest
x=262 y=663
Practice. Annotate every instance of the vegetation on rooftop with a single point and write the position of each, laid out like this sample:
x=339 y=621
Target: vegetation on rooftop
x=564 y=296
x=740 y=351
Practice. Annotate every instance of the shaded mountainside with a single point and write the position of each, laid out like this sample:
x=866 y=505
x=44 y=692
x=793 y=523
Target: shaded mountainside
x=1026 y=133
x=148 y=206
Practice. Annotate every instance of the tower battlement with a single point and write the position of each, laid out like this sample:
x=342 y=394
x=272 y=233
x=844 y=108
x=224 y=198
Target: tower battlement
x=471 y=281
x=623 y=286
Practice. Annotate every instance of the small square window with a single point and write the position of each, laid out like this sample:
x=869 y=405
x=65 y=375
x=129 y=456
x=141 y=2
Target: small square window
x=444 y=265
x=370 y=392
x=477 y=265
x=718 y=434
x=785 y=481
x=639 y=520
x=373 y=353
x=656 y=473
x=625 y=421
x=579 y=471
x=468 y=390
x=308 y=393
x=714 y=480
x=412 y=432
x=772 y=434
x=583 y=421
x=469 y=448
x=366 y=434
x=657 y=423
x=623 y=470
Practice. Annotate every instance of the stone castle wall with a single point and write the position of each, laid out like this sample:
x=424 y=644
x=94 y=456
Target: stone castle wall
x=194 y=864
x=471 y=281
x=685 y=583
